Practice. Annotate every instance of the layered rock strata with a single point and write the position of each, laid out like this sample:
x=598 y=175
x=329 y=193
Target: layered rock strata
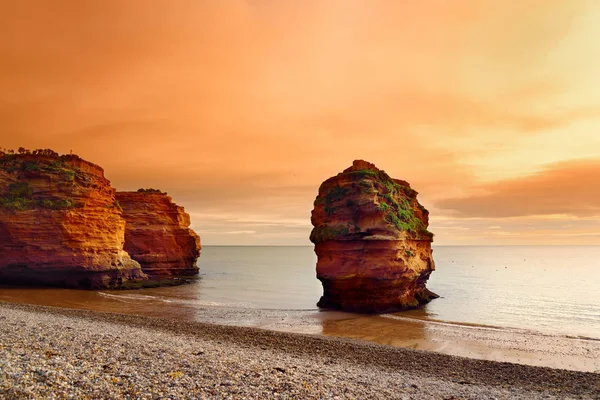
x=372 y=243
x=158 y=234
x=60 y=224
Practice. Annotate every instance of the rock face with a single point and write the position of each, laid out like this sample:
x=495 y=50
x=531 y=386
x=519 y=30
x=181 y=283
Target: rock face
x=372 y=244
x=60 y=224
x=157 y=234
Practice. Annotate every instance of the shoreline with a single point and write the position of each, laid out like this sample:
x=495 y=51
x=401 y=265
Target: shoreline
x=438 y=374
x=399 y=330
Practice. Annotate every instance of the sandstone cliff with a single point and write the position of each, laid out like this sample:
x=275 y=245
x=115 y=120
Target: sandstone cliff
x=157 y=234
x=371 y=239
x=60 y=224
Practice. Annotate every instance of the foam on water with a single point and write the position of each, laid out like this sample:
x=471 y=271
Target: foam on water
x=130 y=298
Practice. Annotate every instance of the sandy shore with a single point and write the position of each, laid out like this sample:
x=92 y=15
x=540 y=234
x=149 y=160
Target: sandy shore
x=407 y=329
x=47 y=352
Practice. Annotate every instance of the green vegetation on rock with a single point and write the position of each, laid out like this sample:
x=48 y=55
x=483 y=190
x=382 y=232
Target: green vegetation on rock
x=27 y=164
x=20 y=198
x=151 y=191
x=366 y=186
x=383 y=206
x=326 y=232
x=19 y=189
x=30 y=167
x=394 y=200
x=48 y=162
x=362 y=173
x=63 y=204
x=400 y=213
x=67 y=175
x=336 y=193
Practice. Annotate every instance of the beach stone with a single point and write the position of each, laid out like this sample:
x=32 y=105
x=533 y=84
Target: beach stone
x=373 y=248
x=158 y=363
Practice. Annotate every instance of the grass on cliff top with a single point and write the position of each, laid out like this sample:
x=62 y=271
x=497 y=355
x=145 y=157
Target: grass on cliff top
x=382 y=177
x=21 y=151
x=48 y=161
x=151 y=191
x=19 y=195
x=395 y=200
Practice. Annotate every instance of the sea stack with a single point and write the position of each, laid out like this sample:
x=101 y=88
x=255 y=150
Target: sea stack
x=158 y=234
x=372 y=244
x=60 y=224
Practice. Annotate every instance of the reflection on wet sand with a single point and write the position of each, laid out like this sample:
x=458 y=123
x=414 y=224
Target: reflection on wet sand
x=488 y=343
x=401 y=333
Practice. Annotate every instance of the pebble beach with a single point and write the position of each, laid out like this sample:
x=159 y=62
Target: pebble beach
x=48 y=352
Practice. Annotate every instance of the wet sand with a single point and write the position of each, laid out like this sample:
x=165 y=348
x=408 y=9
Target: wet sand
x=48 y=351
x=486 y=343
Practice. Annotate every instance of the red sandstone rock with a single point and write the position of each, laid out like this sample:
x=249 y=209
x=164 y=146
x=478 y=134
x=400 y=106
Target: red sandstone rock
x=371 y=240
x=157 y=234
x=60 y=224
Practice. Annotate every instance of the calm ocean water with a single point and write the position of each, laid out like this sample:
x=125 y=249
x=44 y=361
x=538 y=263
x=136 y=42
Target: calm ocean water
x=548 y=289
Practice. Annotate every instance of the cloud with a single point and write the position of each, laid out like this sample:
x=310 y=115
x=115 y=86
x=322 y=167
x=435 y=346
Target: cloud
x=244 y=107
x=564 y=188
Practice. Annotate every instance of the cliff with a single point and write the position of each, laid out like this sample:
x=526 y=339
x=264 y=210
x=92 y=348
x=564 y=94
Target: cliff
x=372 y=243
x=60 y=224
x=157 y=234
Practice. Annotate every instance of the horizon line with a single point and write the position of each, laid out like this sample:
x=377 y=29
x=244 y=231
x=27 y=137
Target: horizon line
x=433 y=245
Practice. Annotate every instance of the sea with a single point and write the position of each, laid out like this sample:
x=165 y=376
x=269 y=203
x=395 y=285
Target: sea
x=552 y=290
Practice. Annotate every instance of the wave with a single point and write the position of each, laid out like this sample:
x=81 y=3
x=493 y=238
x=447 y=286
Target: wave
x=130 y=298
x=127 y=296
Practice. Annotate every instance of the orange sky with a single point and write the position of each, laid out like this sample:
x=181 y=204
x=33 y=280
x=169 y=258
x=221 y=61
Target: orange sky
x=240 y=109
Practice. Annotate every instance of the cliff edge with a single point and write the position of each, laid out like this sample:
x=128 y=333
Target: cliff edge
x=158 y=234
x=61 y=224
